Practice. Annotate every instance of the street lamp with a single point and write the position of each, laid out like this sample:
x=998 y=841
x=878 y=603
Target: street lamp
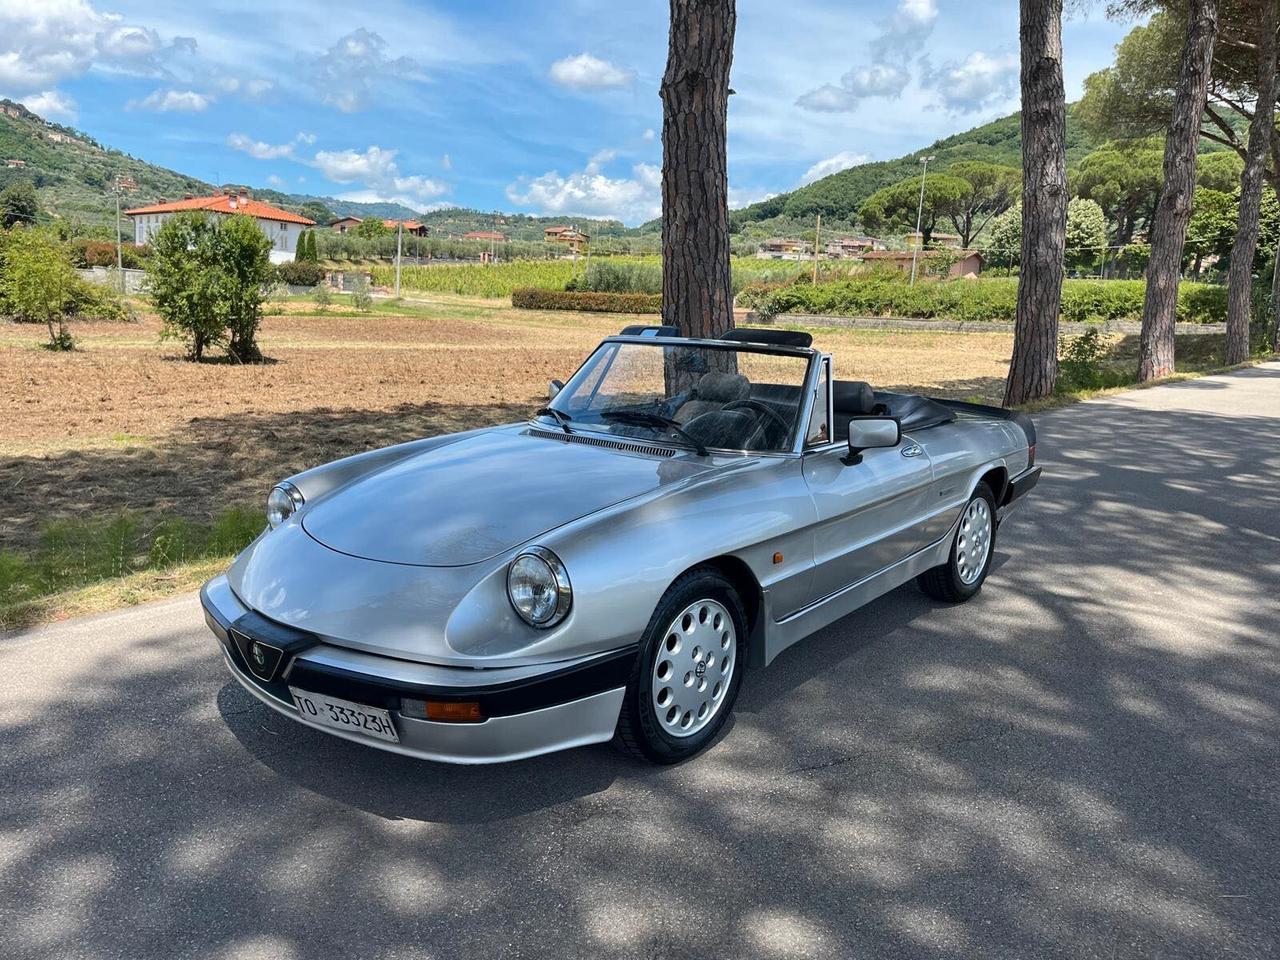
x=915 y=248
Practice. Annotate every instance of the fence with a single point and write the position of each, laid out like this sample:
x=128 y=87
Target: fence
x=110 y=277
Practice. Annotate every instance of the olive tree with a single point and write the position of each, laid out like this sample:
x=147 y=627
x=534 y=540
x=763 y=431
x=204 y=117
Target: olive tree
x=38 y=282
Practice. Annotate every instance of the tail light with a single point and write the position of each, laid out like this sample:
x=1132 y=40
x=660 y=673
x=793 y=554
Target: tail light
x=1031 y=455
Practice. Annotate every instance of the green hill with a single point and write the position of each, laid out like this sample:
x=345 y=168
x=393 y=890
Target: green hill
x=839 y=196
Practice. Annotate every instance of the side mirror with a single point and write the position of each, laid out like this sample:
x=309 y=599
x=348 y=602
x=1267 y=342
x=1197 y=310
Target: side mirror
x=866 y=433
x=553 y=388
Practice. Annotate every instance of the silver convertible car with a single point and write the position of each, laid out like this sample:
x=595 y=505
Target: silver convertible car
x=680 y=513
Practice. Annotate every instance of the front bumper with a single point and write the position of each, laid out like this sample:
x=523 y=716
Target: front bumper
x=530 y=709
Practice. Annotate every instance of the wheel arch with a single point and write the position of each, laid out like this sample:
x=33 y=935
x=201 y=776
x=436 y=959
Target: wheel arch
x=739 y=573
x=997 y=479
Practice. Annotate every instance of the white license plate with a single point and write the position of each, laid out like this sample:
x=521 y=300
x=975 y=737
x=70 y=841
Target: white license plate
x=345 y=715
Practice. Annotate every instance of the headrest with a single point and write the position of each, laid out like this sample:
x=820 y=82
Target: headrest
x=853 y=396
x=723 y=387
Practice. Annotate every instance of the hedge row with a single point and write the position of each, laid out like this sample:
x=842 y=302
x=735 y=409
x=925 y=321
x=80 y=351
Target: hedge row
x=536 y=298
x=1083 y=301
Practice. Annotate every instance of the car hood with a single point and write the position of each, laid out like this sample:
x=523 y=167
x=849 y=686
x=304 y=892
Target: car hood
x=480 y=496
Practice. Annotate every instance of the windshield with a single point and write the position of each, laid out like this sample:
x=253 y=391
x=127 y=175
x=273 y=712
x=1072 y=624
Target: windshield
x=698 y=395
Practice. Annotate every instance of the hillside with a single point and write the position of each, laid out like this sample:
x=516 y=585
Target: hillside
x=73 y=173
x=839 y=196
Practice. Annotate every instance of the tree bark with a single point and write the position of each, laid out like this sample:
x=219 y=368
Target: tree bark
x=1240 y=275
x=697 y=290
x=1168 y=232
x=1033 y=370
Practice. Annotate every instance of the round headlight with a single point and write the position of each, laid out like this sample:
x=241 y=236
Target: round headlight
x=538 y=586
x=282 y=502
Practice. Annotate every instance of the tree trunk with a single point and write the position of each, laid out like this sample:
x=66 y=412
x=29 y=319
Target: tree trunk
x=1033 y=370
x=1168 y=231
x=697 y=291
x=1240 y=275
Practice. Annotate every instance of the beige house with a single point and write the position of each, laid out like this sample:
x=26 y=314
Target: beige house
x=929 y=263
x=571 y=237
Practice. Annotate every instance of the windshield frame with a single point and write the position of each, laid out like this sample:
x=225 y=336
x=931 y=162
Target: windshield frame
x=795 y=440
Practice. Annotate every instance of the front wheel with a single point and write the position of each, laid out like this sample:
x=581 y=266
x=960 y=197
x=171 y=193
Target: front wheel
x=688 y=671
x=971 y=551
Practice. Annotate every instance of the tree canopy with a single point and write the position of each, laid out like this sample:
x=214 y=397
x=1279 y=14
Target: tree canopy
x=896 y=207
x=1124 y=180
x=993 y=188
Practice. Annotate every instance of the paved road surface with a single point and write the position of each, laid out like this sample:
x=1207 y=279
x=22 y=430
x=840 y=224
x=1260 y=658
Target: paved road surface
x=1083 y=762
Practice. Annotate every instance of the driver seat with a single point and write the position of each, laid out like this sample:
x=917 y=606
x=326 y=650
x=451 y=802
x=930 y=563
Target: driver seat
x=712 y=392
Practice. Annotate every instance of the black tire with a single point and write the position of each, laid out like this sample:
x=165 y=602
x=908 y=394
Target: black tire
x=943 y=582
x=640 y=732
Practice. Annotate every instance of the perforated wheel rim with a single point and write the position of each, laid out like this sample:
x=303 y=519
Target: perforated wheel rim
x=973 y=540
x=694 y=666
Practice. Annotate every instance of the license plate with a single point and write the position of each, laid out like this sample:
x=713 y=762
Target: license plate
x=345 y=715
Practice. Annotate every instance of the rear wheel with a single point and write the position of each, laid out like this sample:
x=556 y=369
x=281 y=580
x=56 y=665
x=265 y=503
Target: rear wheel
x=971 y=551
x=688 y=673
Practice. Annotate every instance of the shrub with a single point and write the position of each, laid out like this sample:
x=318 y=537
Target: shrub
x=361 y=293
x=102 y=253
x=38 y=282
x=207 y=278
x=535 y=298
x=322 y=296
x=299 y=273
x=1081 y=359
x=1084 y=301
x=606 y=276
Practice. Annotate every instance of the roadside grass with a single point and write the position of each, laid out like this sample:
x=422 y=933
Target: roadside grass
x=87 y=563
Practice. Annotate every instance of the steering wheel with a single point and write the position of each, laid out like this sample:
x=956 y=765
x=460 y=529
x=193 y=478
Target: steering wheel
x=763 y=410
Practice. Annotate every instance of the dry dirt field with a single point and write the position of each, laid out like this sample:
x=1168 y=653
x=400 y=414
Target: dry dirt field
x=125 y=422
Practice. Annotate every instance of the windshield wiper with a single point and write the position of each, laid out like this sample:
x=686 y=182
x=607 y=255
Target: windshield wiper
x=559 y=416
x=643 y=418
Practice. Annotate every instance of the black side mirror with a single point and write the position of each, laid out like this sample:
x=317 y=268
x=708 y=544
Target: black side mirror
x=866 y=433
x=553 y=388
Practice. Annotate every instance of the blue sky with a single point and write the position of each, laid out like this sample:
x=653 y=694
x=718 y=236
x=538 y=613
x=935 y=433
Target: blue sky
x=548 y=108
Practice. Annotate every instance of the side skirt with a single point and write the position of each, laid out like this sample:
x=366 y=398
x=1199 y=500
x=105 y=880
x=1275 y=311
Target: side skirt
x=821 y=613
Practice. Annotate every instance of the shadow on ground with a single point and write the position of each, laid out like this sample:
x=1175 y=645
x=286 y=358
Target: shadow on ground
x=1082 y=762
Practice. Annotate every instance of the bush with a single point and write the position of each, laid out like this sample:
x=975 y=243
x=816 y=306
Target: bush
x=605 y=276
x=322 y=296
x=299 y=273
x=1084 y=301
x=102 y=253
x=361 y=293
x=535 y=298
x=1080 y=365
x=38 y=282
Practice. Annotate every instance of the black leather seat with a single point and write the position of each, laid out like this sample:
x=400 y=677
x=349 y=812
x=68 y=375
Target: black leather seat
x=850 y=398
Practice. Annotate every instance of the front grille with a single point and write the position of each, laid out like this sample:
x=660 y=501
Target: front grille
x=628 y=445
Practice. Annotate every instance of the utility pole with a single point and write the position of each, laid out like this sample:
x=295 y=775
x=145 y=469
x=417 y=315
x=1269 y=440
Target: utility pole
x=121 y=184
x=915 y=247
x=399 y=238
x=817 y=239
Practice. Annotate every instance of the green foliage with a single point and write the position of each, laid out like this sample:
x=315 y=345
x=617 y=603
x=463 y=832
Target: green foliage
x=38 y=282
x=206 y=280
x=1212 y=229
x=361 y=293
x=102 y=253
x=322 y=295
x=371 y=228
x=1125 y=181
x=306 y=250
x=1086 y=232
x=76 y=553
x=535 y=298
x=1080 y=364
x=18 y=204
x=608 y=276
x=299 y=273
x=984 y=299
x=896 y=207
x=993 y=189
x=1219 y=170
x=317 y=210
x=1004 y=239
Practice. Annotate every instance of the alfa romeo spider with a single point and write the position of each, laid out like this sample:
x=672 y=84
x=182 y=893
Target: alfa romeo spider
x=679 y=513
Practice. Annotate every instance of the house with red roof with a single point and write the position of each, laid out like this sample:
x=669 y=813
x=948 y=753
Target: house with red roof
x=280 y=226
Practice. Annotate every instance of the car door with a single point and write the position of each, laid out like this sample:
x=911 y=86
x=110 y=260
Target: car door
x=870 y=514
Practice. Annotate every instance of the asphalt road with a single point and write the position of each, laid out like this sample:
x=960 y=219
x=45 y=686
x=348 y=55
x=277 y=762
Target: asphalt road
x=1082 y=762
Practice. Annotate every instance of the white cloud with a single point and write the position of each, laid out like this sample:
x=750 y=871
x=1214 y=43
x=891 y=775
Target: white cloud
x=841 y=161
x=253 y=89
x=649 y=135
x=350 y=70
x=899 y=38
x=51 y=104
x=48 y=41
x=585 y=72
x=267 y=151
x=173 y=101
x=590 y=192
x=378 y=170
x=746 y=196
x=446 y=162
x=275 y=181
x=978 y=82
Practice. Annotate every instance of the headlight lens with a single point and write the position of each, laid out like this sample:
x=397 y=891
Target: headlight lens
x=538 y=586
x=282 y=503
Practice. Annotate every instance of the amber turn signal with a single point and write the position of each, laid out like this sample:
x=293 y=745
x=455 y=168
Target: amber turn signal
x=444 y=711
x=777 y=558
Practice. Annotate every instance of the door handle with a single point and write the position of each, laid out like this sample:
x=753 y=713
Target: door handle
x=912 y=450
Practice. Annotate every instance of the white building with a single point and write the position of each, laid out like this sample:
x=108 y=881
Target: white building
x=281 y=227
